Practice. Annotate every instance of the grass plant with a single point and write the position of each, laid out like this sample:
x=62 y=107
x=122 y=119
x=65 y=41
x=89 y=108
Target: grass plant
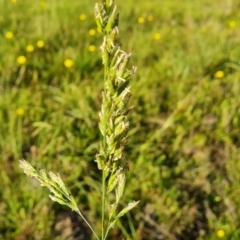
x=183 y=143
x=113 y=126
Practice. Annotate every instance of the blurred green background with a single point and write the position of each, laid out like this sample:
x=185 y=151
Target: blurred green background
x=183 y=145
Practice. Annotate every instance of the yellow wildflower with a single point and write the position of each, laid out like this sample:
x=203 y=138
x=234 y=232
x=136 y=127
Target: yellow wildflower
x=220 y=233
x=232 y=24
x=43 y=4
x=219 y=74
x=92 y=32
x=203 y=30
x=157 y=36
x=21 y=60
x=40 y=43
x=99 y=30
x=82 y=17
x=91 y=48
x=150 y=18
x=9 y=35
x=68 y=63
x=20 y=111
x=30 y=48
x=13 y=1
x=141 y=20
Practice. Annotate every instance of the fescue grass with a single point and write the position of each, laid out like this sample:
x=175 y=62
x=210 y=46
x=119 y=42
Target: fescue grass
x=184 y=137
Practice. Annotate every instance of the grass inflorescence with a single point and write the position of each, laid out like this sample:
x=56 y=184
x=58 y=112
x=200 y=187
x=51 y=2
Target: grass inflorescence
x=182 y=145
x=113 y=125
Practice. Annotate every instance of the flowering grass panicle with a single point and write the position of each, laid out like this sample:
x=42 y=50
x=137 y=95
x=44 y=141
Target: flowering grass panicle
x=113 y=124
x=113 y=116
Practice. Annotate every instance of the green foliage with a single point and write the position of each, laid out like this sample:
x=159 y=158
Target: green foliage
x=183 y=142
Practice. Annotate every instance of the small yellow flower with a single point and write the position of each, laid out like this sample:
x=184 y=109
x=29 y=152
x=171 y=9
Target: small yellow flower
x=68 y=63
x=9 y=35
x=150 y=18
x=91 y=48
x=141 y=20
x=20 y=111
x=219 y=74
x=157 y=36
x=232 y=24
x=203 y=30
x=40 y=43
x=99 y=30
x=13 y=1
x=82 y=17
x=30 y=48
x=42 y=4
x=21 y=60
x=220 y=233
x=92 y=32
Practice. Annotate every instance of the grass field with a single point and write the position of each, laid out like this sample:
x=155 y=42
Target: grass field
x=184 y=137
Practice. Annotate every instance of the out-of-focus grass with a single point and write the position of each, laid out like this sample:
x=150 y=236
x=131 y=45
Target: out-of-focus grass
x=183 y=146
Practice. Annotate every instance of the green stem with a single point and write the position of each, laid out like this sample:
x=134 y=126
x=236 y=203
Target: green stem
x=85 y=220
x=20 y=136
x=103 y=203
x=106 y=233
x=105 y=150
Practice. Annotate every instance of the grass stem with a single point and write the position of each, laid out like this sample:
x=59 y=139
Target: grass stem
x=103 y=203
x=85 y=220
